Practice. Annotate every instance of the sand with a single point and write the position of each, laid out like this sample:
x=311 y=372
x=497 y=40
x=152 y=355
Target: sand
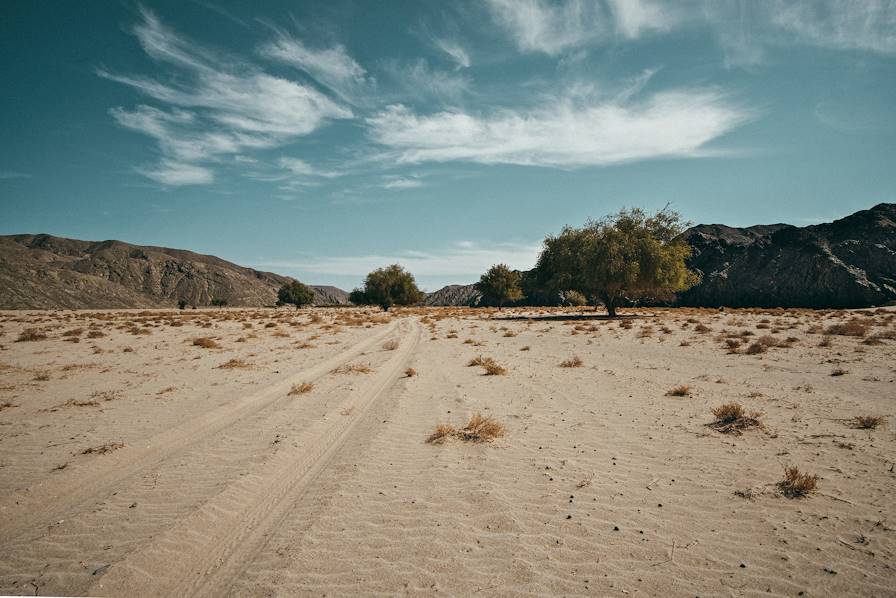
x=133 y=464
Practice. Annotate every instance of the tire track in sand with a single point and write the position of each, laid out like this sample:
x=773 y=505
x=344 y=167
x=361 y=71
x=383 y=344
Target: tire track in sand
x=204 y=553
x=52 y=500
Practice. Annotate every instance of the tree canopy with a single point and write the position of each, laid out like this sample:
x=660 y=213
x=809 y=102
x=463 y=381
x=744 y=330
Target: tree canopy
x=628 y=256
x=386 y=287
x=500 y=285
x=295 y=293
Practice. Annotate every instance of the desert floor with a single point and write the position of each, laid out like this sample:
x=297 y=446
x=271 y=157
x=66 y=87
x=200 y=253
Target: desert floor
x=176 y=453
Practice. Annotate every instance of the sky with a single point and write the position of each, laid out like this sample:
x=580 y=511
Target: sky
x=324 y=139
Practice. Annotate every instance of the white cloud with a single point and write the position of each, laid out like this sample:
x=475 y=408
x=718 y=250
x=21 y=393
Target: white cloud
x=455 y=51
x=399 y=182
x=172 y=173
x=419 y=80
x=550 y=27
x=633 y=17
x=847 y=24
x=300 y=167
x=217 y=105
x=564 y=133
x=12 y=174
x=331 y=67
x=461 y=262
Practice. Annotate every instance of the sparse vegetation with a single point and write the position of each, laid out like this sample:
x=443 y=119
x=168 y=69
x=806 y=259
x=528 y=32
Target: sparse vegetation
x=301 y=389
x=479 y=428
x=572 y=362
x=391 y=345
x=353 y=368
x=30 y=335
x=680 y=391
x=732 y=418
x=205 y=343
x=234 y=364
x=850 y=328
x=867 y=422
x=797 y=484
x=410 y=373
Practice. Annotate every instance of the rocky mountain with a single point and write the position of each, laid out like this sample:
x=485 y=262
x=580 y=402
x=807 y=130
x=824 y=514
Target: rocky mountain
x=453 y=294
x=47 y=272
x=850 y=262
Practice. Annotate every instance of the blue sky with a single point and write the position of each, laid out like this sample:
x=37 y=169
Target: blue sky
x=323 y=139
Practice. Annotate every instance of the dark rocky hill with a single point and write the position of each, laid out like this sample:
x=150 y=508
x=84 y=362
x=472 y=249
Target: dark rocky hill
x=47 y=272
x=454 y=294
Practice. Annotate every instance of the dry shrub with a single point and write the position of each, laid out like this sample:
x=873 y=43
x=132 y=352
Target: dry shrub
x=205 y=343
x=391 y=345
x=301 y=389
x=442 y=433
x=702 y=328
x=304 y=345
x=756 y=348
x=851 y=328
x=353 y=368
x=96 y=334
x=825 y=341
x=73 y=332
x=627 y=324
x=493 y=369
x=41 y=377
x=797 y=484
x=866 y=422
x=732 y=344
x=526 y=348
x=31 y=334
x=731 y=418
x=7 y=405
x=410 y=372
x=839 y=372
x=680 y=391
x=234 y=364
x=103 y=448
x=572 y=362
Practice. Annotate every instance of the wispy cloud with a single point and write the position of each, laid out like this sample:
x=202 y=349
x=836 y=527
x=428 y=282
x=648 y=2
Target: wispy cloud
x=550 y=27
x=13 y=174
x=848 y=24
x=566 y=133
x=216 y=105
x=401 y=182
x=168 y=172
x=331 y=67
x=455 y=52
x=418 y=80
x=461 y=262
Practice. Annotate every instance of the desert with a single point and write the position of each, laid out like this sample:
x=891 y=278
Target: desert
x=293 y=452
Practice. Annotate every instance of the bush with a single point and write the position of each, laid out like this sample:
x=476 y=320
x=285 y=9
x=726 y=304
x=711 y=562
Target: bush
x=500 y=285
x=218 y=302
x=295 y=293
x=386 y=287
x=575 y=299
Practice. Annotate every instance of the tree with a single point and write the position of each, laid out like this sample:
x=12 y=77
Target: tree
x=500 y=285
x=575 y=298
x=628 y=256
x=295 y=293
x=386 y=287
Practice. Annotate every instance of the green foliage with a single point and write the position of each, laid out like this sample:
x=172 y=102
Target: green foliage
x=295 y=293
x=575 y=298
x=500 y=285
x=181 y=304
x=386 y=287
x=217 y=302
x=628 y=256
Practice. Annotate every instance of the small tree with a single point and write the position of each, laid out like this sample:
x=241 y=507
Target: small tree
x=386 y=287
x=219 y=302
x=295 y=293
x=500 y=285
x=624 y=257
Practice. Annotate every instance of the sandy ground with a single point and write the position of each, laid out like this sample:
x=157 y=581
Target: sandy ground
x=133 y=464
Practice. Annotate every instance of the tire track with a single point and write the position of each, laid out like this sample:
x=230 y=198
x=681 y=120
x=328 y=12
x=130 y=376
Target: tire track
x=205 y=553
x=51 y=500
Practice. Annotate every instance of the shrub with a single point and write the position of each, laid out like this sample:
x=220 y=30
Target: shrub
x=301 y=389
x=295 y=293
x=31 y=334
x=680 y=391
x=572 y=362
x=205 y=343
x=493 y=369
x=867 y=422
x=850 y=328
x=390 y=345
x=839 y=372
x=731 y=418
x=797 y=484
x=219 y=302
x=387 y=287
x=410 y=372
x=442 y=433
x=482 y=429
x=234 y=364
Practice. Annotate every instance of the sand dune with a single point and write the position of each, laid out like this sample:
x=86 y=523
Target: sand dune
x=137 y=461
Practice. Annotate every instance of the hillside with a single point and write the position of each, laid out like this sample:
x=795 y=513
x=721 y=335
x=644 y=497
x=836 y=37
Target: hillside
x=47 y=272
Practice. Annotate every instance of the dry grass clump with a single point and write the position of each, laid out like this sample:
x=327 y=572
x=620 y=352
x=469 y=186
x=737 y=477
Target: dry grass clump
x=301 y=389
x=839 y=372
x=103 y=448
x=732 y=345
x=526 y=348
x=353 y=368
x=866 y=422
x=732 y=418
x=572 y=362
x=479 y=428
x=851 y=328
x=31 y=334
x=391 y=345
x=680 y=391
x=234 y=364
x=493 y=369
x=756 y=348
x=410 y=373
x=797 y=484
x=73 y=332
x=96 y=334
x=702 y=328
x=7 y=405
x=205 y=343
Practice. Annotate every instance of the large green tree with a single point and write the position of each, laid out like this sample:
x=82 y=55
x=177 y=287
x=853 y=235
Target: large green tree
x=386 y=287
x=500 y=285
x=627 y=256
x=295 y=293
